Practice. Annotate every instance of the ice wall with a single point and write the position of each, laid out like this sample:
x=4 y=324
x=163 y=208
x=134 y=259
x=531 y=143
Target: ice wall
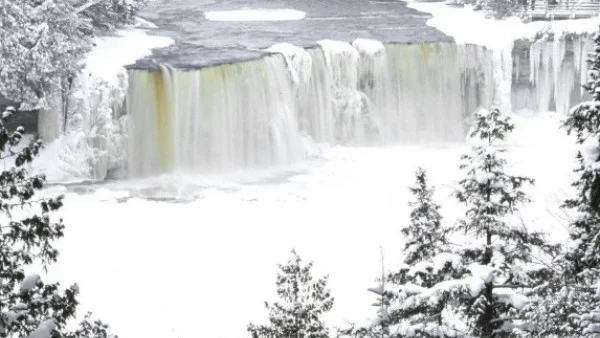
x=548 y=73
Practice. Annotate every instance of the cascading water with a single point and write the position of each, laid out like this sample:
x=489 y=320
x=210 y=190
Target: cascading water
x=256 y=113
x=213 y=119
x=547 y=74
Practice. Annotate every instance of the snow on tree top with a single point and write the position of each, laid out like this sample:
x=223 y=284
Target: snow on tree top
x=29 y=282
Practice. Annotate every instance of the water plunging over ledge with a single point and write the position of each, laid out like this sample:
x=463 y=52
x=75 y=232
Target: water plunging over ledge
x=271 y=110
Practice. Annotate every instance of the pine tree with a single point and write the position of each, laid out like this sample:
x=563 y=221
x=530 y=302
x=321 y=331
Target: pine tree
x=407 y=307
x=28 y=306
x=380 y=326
x=427 y=262
x=106 y=15
x=424 y=236
x=303 y=301
x=42 y=47
x=499 y=258
x=580 y=264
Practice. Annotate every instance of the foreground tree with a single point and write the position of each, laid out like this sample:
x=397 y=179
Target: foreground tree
x=427 y=262
x=571 y=294
x=303 y=301
x=43 y=44
x=28 y=306
x=499 y=253
x=500 y=257
x=406 y=305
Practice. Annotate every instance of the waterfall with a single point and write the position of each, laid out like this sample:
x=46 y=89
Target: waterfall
x=255 y=113
x=258 y=113
x=556 y=69
x=214 y=119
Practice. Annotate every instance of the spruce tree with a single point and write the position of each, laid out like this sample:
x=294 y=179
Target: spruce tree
x=499 y=257
x=427 y=262
x=408 y=307
x=303 y=301
x=28 y=306
x=578 y=269
x=424 y=236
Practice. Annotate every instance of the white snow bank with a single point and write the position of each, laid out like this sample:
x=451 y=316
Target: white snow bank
x=65 y=159
x=333 y=48
x=475 y=28
x=44 y=330
x=298 y=60
x=127 y=46
x=368 y=46
x=590 y=150
x=255 y=15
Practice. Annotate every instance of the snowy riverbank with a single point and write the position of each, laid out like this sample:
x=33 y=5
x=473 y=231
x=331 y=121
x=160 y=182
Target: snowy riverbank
x=476 y=29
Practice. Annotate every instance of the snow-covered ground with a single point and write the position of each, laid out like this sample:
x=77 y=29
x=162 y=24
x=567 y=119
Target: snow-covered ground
x=183 y=257
x=475 y=28
x=126 y=46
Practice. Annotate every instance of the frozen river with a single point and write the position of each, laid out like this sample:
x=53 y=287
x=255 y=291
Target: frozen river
x=201 y=41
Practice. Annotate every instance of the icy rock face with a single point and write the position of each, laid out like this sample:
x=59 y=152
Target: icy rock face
x=547 y=73
x=92 y=141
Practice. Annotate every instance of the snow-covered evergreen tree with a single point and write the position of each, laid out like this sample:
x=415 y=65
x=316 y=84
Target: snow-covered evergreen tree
x=427 y=261
x=380 y=324
x=41 y=47
x=303 y=301
x=407 y=307
x=576 y=300
x=28 y=306
x=106 y=15
x=500 y=9
x=500 y=254
x=43 y=44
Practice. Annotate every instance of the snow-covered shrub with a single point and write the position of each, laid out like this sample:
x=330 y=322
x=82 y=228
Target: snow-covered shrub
x=41 y=47
x=411 y=301
x=28 y=229
x=107 y=15
x=303 y=302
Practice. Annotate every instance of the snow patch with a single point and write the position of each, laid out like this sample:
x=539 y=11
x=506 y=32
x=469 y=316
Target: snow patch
x=368 y=46
x=256 y=15
x=590 y=151
x=44 y=330
x=29 y=282
x=491 y=33
x=127 y=46
x=483 y=272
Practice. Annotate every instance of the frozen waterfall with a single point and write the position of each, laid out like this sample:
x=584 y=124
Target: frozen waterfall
x=259 y=113
x=214 y=119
